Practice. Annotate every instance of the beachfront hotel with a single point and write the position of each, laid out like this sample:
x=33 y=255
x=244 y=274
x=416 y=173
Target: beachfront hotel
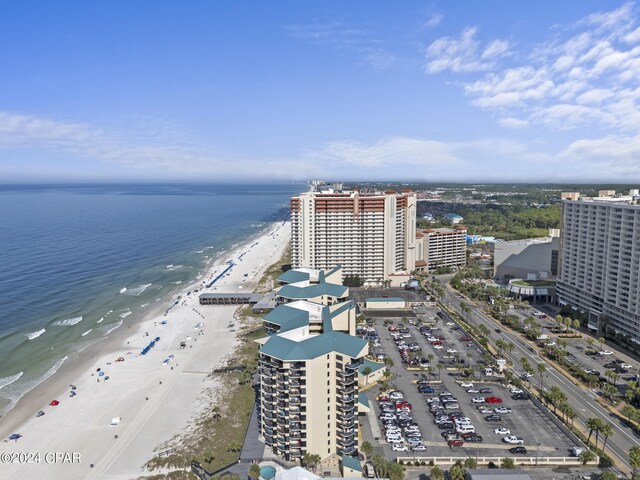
x=371 y=235
x=599 y=265
x=308 y=379
x=441 y=247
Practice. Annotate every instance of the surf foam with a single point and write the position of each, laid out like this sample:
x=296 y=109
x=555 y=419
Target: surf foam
x=33 y=335
x=9 y=380
x=68 y=322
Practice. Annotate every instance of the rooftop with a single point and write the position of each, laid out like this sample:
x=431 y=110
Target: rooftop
x=385 y=299
x=305 y=289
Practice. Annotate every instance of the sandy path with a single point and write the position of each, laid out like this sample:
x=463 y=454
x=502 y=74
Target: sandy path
x=82 y=424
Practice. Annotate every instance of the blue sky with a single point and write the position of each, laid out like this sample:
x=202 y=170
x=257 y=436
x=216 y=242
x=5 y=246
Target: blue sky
x=365 y=90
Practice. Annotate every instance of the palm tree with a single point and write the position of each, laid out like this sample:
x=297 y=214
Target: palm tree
x=436 y=474
x=439 y=366
x=592 y=424
x=254 y=471
x=457 y=472
x=541 y=367
x=629 y=411
x=576 y=325
x=608 y=475
x=311 y=460
x=634 y=460
x=587 y=456
x=559 y=320
x=367 y=449
x=508 y=463
x=590 y=342
x=606 y=431
x=601 y=340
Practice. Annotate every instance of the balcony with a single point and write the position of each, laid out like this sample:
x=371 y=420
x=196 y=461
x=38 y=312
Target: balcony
x=295 y=400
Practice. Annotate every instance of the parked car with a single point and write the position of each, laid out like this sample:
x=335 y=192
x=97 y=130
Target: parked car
x=455 y=443
x=502 y=410
x=605 y=352
x=518 y=450
x=473 y=390
x=399 y=448
x=485 y=410
x=493 y=418
x=486 y=390
x=520 y=396
x=478 y=400
x=502 y=431
x=419 y=448
x=438 y=347
x=493 y=400
x=465 y=384
x=466 y=339
x=513 y=440
x=472 y=438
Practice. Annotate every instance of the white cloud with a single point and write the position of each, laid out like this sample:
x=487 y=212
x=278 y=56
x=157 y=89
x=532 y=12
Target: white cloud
x=433 y=20
x=514 y=123
x=577 y=79
x=463 y=53
x=378 y=58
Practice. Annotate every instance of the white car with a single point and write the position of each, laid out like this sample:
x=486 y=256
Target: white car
x=527 y=375
x=477 y=400
x=513 y=440
x=395 y=440
x=464 y=384
x=551 y=343
x=399 y=448
x=419 y=448
x=515 y=390
x=438 y=347
x=605 y=352
x=626 y=366
x=449 y=324
x=473 y=390
x=396 y=396
x=502 y=410
x=485 y=410
x=502 y=431
x=452 y=350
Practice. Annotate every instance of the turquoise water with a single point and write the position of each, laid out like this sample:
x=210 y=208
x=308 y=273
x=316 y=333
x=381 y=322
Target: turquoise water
x=80 y=261
x=267 y=472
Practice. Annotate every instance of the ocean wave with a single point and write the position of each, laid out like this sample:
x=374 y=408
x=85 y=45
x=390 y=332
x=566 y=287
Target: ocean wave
x=19 y=389
x=123 y=289
x=87 y=332
x=99 y=321
x=125 y=314
x=68 y=322
x=144 y=305
x=33 y=335
x=111 y=329
x=170 y=266
x=9 y=380
x=134 y=292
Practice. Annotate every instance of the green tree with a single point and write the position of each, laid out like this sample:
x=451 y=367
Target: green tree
x=594 y=424
x=254 y=471
x=587 y=456
x=311 y=460
x=396 y=471
x=541 y=368
x=634 y=460
x=606 y=431
x=507 y=462
x=367 y=449
x=470 y=463
x=608 y=475
x=456 y=472
x=436 y=473
x=629 y=411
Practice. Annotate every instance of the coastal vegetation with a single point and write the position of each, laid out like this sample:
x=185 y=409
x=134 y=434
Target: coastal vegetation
x=271 y=274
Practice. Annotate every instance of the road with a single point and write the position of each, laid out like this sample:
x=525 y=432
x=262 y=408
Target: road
x=582 y=401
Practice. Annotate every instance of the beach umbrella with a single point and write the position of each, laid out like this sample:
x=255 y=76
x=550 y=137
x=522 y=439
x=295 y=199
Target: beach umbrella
x=101 y=374
x=54 y=403
x=15 y=436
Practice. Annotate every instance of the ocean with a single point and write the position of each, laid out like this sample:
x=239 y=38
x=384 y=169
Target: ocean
x=77 y=260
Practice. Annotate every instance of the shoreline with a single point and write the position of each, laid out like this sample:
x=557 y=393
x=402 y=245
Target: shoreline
x=251 y=262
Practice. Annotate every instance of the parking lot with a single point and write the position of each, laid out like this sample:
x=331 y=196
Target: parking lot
x=541 y=436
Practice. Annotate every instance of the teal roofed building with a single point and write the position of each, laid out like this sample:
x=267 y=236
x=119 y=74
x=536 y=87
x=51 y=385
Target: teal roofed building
x=321 y=291
x=308 y=376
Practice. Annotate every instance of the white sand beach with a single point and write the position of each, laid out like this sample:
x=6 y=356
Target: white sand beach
x=154 y=401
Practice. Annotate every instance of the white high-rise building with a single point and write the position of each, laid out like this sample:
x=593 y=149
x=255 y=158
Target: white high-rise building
x=372 y=236
x=599 y=270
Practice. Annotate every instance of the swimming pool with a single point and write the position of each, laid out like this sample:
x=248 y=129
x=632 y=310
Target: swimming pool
x=267 y=472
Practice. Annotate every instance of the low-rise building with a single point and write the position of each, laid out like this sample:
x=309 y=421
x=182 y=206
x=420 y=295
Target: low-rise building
x=530 y=259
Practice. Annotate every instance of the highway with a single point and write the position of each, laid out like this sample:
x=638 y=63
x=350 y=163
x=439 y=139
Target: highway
x=583 y=401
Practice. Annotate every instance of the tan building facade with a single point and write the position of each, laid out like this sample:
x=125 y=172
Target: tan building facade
x=441 y=247
x=369 y=235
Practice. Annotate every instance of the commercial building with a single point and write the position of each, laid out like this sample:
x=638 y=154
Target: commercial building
x=530 y=259
x=441 y=247
x=309 y=369
x=371 y=235
x=453 y=218
x=599 y=269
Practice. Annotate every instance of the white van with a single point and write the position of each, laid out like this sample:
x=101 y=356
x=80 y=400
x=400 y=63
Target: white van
x=466 y=429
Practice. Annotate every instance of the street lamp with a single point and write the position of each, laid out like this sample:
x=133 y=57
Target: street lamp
x=537 y=447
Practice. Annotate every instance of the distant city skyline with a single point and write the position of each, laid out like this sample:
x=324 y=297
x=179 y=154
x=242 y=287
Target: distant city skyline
x=280 y=91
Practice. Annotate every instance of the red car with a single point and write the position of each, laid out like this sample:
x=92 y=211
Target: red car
x=455 y=443
x=383 y=398
x=493 y=400
x=436 y=342
x=403 y=404
x=466 y=339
